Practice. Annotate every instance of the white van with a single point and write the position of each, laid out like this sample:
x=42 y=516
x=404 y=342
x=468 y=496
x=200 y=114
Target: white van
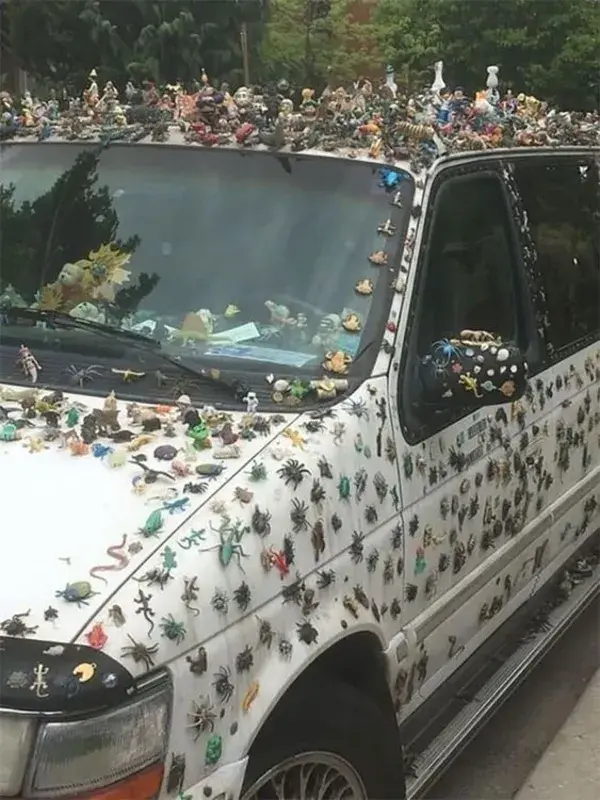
x=299 y=453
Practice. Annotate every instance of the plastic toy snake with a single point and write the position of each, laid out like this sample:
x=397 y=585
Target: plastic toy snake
x=113 y=552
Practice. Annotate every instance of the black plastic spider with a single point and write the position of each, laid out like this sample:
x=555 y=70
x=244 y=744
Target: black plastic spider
x=411 y=591
x=265 y=632
x=360 y=482
x=395 y=608
x=298 y=515
x=220 y=601
x=223 y=685
x=317 y=492
x=357 y=547
x=244 y=660
x=83 y=375
x=242 y=596
x=292 y=593
x=262 y=425
x=307 y=632
x=361 y=597
x=324 y=468
x=357 y=408
x=202 y=717
x=388 y=570
x=289 y=550
x=371 y=515
x=261 y=522
x=140 y=653
x=381 y=486
x=293 y=472
x=372 y=560
x=325 y=578
x=397 y=537
x=314 y=426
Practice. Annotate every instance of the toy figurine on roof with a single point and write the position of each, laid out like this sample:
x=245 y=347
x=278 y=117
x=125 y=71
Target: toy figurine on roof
x=90 y=94
x=352 y=120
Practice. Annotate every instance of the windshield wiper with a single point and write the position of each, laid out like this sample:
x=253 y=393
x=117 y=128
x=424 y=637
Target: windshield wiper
x=138 y=341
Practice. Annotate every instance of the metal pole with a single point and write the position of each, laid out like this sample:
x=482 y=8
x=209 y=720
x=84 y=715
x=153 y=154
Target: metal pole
x=244 y=41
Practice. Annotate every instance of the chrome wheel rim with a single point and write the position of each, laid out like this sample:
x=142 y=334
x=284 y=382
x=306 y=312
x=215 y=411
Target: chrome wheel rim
x=309 y=776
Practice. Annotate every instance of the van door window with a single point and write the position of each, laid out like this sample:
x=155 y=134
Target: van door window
x=468 y=280
x=562 y=201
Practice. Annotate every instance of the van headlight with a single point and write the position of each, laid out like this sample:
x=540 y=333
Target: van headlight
x=125 y=746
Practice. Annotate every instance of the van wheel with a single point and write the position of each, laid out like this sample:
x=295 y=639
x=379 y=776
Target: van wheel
x=329 y=742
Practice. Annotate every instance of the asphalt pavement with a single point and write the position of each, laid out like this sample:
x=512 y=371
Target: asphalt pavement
x=542 y=718
x=570 y=767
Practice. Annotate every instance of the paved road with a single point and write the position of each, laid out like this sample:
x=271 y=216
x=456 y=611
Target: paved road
x=498 y=763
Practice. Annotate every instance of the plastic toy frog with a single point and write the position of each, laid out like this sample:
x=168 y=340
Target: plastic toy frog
x=351 y=322
x=364 y=286
x=337 y=362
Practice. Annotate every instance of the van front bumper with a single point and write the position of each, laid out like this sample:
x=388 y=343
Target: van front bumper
x=224 y=783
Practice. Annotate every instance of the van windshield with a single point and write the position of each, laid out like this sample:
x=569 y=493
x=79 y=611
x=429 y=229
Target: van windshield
x=220 y=254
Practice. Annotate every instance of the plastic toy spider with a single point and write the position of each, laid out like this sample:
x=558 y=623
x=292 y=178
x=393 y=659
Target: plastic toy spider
x=84 y=374
x=223 y=685
x=293 y=472
x=173 y=630
x=357 y=408
x=202 y=717
x=140 y=653
x=444 y=351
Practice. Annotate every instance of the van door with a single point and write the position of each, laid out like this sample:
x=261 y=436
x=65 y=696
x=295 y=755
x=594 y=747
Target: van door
x=465 y=487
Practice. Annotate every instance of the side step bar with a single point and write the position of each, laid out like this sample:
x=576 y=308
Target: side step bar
x=431 y=763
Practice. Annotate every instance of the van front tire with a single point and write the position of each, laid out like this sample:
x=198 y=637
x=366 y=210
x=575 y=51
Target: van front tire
x=327 y=741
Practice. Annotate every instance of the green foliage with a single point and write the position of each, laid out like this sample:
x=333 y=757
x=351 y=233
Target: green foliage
x=549 y=49
x=310 y=44
x=61 y=41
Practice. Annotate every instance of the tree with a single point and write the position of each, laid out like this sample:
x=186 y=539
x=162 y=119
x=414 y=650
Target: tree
x=74 y=217
x=309 y=42
x=61 y=41
x=548 y=48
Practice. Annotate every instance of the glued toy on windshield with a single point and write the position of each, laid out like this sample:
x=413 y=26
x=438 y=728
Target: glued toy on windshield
x=95 y=278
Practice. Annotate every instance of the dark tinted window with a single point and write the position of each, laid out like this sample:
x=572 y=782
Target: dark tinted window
x=561 y=200
x=469 y=272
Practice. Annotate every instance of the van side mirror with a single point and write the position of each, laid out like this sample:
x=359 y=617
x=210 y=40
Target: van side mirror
x=474 y=369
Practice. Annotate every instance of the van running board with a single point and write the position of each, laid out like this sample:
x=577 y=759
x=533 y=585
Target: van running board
x=432 y=762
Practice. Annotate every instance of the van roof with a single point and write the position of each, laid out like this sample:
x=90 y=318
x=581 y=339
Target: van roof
x=417 y=134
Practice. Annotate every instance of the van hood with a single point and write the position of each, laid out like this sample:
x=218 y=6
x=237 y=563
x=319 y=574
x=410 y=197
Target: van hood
x=80 y=518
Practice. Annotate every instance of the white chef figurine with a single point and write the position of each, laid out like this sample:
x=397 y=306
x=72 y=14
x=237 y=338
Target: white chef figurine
x=493 y=95
x=251 y=401
x=438 y=82
x=390 y=80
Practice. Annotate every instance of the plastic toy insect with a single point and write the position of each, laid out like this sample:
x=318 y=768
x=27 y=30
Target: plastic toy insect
x=223 y=685
x=78 y=592
x=202 y=717
x=15 y=626
x=140 y=653
x=199 y=662
x=83 y=375
x=293 y=472
x=230 y=536
x=173 y=630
